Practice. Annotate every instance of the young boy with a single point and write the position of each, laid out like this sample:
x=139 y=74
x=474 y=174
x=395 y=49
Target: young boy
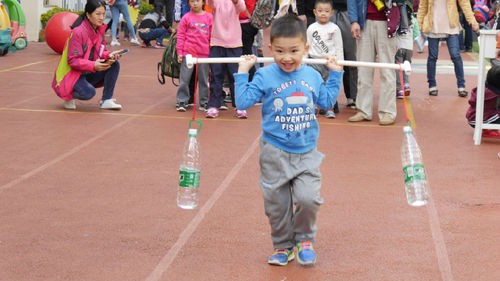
x=289 y=162
x=325 y=39
x=404 y=53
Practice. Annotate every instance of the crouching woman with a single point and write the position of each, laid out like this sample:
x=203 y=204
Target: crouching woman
x=85 y=63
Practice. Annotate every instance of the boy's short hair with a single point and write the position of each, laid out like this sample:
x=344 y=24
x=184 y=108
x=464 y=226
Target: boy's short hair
x=493 y=79
x=288 y=26
x=323 y=2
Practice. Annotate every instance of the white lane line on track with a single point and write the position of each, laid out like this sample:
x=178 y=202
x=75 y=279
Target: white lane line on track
x=28 y=64
x=74 y=150
x=185 y=235
x=436 y=231
x=439 y=244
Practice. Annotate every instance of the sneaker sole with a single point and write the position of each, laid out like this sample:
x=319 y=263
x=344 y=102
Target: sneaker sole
x=275 y=262
x=111 y=108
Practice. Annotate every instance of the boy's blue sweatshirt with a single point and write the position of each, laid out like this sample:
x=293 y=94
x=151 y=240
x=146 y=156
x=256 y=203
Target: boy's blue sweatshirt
x=289 y=101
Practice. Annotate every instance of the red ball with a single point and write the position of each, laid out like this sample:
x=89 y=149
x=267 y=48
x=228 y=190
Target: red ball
x=58 y=29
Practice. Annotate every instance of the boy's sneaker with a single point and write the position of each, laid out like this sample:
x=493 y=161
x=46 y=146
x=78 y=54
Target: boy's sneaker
x=400 y=94
x=305 y=253
x=351 y=103
x=114 y=42
x=223 y=106
x=145 y=44
x=212 y=112
x=330 y=114
x=110 y=104
x=202 y=107
x=407 y=90
x=181 y=107
x=241 y=114
x=281 y=256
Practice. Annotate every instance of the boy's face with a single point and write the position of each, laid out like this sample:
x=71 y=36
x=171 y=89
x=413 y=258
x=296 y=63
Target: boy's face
x=196 y=5
x=323 y=12
x=288 y=52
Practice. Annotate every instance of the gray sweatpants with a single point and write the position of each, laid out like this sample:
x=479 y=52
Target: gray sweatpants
x=290 y=186
x=185 y=76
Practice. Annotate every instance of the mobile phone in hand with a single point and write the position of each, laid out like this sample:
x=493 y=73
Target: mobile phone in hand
x=122 y=52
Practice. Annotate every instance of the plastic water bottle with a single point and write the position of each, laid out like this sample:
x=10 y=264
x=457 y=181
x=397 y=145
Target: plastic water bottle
x=189 y=173
x=416 y=186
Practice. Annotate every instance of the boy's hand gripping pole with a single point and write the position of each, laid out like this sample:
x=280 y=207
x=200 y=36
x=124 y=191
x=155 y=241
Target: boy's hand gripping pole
x=406 y=66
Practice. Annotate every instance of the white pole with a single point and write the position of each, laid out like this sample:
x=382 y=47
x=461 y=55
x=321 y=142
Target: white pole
x=406 y=67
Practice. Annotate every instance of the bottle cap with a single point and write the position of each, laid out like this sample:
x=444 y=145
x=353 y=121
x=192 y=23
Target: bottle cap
x=407 y=129
x=192 y=132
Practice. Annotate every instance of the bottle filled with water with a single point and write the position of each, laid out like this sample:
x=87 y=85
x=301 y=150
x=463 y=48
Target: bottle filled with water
x=189 y=173
x=416 y=185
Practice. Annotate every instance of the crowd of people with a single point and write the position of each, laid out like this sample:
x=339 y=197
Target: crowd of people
x=352 y=30
x=290 y=91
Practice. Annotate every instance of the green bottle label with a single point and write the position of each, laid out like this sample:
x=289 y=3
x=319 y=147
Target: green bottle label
x=414 y=172
x=189 y=179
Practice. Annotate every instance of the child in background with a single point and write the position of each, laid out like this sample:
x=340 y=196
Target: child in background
x=248 y=31
x=404 y=53
x=325 y=39
x=257 y=47
x=193 y=37
x=290 y=178
x=153 y=26
x=491 y=114
x=225 y=42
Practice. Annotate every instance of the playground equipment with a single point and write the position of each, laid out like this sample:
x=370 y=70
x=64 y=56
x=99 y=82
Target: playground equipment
x=17 y=24
x=58 y=29
x=5 y=38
